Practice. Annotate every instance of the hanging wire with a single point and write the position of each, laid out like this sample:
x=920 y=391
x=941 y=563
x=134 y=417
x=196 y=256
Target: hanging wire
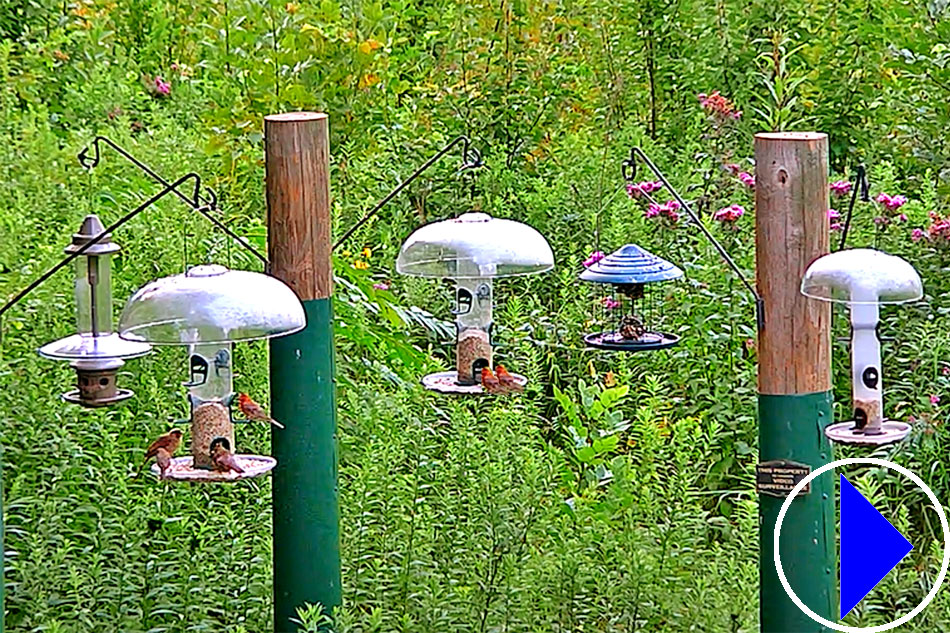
x=628 y=169
x=471 y=159
x=860 y=182
x=204 y=204
x=170 y=188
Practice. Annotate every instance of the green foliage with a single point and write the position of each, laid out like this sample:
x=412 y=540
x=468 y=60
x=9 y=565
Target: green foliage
x=616 y=494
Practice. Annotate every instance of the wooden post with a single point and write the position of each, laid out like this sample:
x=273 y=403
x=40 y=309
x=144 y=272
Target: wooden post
x=306 y=506
x=791 y=206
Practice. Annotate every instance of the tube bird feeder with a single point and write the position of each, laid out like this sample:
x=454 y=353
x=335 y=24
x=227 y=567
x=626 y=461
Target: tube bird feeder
x=473 y=250
x=208 y=309
x=864 y=279
x=96 y=352
x=631 y=312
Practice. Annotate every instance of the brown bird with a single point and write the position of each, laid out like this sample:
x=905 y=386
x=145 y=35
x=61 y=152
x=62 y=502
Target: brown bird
x=491 y=383
x=507 y=380
x=223 y=459
x=169 y=442
x=254 y=411
x=164 y=460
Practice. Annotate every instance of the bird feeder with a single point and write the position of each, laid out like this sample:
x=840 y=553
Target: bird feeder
x=96 y=352
x=630 y=311
x=864 y=279
x=207 y=309
x=473 y=250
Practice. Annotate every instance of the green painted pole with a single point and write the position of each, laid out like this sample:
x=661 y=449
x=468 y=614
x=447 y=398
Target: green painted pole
x=305 y=496
x=791 y=201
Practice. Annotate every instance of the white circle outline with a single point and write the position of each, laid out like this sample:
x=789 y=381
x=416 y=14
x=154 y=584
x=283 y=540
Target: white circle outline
x=861 y=629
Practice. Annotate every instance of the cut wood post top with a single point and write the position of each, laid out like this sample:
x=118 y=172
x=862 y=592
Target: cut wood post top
x=296 y=116
x=297 y=160
x=791 y=231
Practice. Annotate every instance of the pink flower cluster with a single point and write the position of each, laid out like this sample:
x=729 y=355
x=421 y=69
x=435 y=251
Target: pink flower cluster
x=593 y=258
x=669 y=210
x=635 y=190
x=728 y=215
x=840 y=188
x=721 y=108
x=747 y=179
x=939 y=230
x=610 y=303
x=382 y=285
x=157 y=87
x=891 y=203
x=833 y=217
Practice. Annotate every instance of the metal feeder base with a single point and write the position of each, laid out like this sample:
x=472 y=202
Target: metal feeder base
x=845 y=433
x=646 y=343
x=75 y=397
x=182 y=469
x=447 y=382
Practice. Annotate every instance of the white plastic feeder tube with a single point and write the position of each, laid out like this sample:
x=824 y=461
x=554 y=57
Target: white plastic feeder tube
x=866 y=365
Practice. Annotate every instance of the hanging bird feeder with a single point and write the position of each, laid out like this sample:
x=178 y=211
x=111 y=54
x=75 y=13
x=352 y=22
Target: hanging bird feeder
x=863 y=279
x=473 y=250
x=96 y=352
x=630 y=310
x=207 y=309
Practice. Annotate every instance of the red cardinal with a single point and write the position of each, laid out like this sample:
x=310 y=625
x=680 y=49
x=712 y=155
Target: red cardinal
x=164 y=460
x=169 y=443
x=223 y=459
x=507 y=380
x=491 y=383
x=254 y=411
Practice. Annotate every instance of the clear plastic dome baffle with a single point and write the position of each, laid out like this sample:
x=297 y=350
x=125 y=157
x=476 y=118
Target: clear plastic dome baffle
x=473 y=249
x=863 y=279
x=211 y=304
x=208 y=308
x=474 y=246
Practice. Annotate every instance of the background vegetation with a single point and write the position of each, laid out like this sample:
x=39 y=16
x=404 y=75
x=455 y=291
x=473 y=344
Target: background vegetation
x=617 y=495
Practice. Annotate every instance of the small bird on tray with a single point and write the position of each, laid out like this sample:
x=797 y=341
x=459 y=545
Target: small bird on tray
x=253 y=411
x=224 y=460
x=507 y=380
x=490 y=382
x=167 y=443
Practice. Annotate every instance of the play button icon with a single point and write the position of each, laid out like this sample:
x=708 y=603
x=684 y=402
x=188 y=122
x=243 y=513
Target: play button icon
x=870 y=547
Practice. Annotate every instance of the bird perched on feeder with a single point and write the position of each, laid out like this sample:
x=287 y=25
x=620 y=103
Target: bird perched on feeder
x=224 y=460
x=164 y=460
x=631 y=328
x=490 y=382
x=507 y=380
x=167 y=443
x=253 y=411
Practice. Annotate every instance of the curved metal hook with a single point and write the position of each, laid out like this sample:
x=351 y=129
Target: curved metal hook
x=636 y=153
x=628 y=168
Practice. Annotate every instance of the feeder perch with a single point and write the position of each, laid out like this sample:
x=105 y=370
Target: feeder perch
x=96 y=352
x=630 y=311
x=207 y=309
x=473 y=250
x=863 y=279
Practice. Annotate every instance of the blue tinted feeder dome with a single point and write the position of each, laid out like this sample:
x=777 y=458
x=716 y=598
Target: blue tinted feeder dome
x=472 y=250
x=629 y=308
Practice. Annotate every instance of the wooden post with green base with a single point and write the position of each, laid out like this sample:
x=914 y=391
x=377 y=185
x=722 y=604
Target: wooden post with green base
x=306 y=505
x=791 y=204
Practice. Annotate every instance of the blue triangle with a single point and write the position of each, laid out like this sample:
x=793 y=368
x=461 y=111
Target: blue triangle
x=870 y=547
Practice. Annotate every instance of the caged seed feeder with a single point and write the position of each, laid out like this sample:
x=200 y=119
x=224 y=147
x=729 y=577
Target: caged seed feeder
x=473 y=250
x=96 y=352
x=631 y=311
x=207 y=309
x=863 y=279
